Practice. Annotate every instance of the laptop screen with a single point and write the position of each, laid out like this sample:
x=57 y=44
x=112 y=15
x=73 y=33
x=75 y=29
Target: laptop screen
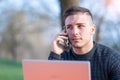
x=56 y=70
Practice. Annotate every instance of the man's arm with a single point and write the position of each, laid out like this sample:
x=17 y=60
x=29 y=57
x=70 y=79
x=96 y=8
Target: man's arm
x=115 y=67
x=54 y=56
x=57 y=47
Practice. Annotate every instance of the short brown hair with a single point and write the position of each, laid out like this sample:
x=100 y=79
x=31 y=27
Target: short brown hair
x=75 y=9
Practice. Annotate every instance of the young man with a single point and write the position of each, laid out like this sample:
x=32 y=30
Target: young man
x=79 y=30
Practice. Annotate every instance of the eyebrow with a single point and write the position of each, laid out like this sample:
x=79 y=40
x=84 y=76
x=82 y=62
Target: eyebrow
x=80 y=24
x=76 y=24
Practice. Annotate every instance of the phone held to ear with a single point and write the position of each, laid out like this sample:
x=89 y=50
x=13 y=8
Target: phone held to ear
x=65 y=43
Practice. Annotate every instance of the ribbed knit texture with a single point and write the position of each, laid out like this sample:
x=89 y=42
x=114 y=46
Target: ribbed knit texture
x=105 y=62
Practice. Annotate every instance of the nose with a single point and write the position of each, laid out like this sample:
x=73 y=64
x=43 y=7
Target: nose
x=75 y=31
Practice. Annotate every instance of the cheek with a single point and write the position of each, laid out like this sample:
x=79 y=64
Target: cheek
x=68 y=32
x=85 y=33
x=69 y=35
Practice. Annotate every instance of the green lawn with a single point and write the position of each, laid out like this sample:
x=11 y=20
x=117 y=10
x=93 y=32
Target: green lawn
x=10 y=70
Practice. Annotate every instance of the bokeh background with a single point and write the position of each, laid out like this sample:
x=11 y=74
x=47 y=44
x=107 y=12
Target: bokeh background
x=27 y=28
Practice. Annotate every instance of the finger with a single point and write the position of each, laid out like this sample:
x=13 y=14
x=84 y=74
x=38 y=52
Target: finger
x=62 y=42
x=63 y=37
x=62 y=34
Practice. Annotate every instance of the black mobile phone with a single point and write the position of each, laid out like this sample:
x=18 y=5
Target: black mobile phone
x=66 y=43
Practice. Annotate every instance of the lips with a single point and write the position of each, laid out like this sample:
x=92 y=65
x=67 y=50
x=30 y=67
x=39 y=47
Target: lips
x=76 y=38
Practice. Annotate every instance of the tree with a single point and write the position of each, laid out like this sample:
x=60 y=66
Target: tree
x=64 y=4
x=14 y=25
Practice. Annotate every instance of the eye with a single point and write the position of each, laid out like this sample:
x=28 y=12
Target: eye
x=68 y=27
x=80 y=26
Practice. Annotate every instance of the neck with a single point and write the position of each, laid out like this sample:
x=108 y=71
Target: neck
x=85 y=49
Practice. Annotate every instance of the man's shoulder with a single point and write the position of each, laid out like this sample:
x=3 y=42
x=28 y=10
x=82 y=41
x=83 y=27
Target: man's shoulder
x=105 y=50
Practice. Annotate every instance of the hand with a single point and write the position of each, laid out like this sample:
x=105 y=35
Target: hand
x=58 y=43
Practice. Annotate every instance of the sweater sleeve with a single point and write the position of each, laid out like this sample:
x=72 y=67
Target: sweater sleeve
x=54 y=56
x=115 y=67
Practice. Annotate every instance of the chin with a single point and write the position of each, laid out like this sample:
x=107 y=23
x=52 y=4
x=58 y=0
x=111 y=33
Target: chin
x=77 y=45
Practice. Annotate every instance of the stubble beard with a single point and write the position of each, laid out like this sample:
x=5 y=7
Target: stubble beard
x=80 y=44
x=77 y=44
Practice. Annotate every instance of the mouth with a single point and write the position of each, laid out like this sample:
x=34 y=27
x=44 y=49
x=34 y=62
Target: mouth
x=76 y=39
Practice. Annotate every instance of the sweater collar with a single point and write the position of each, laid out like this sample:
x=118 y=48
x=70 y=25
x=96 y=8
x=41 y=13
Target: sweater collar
x=86 y=56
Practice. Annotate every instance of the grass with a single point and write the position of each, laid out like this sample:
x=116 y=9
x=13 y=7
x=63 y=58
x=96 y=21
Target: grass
x=10 y=70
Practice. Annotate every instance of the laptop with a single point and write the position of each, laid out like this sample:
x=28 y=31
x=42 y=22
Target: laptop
x=56 y=70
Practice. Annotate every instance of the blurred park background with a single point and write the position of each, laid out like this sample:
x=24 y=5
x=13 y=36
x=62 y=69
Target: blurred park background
x=27 y=28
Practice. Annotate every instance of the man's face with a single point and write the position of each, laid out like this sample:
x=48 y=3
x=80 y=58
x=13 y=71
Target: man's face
x=80 y=29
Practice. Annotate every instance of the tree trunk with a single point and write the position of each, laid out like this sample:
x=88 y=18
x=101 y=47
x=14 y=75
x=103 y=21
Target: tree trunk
x=98 y=30
x=64 y=4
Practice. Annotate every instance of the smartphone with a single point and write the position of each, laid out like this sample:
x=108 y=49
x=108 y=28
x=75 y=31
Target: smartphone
x=66 y=42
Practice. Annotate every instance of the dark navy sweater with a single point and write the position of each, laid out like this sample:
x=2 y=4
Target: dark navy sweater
x=105 y=62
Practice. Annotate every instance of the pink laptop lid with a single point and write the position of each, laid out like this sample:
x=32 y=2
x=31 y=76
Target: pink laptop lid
x=56 y=70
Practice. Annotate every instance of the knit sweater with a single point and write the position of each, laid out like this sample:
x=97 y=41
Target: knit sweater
x=105 y=62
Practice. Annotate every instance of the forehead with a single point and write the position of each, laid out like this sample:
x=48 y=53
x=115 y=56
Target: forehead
x=77 y=18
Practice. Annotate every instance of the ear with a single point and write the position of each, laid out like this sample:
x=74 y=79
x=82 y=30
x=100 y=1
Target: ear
x=93 y=29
